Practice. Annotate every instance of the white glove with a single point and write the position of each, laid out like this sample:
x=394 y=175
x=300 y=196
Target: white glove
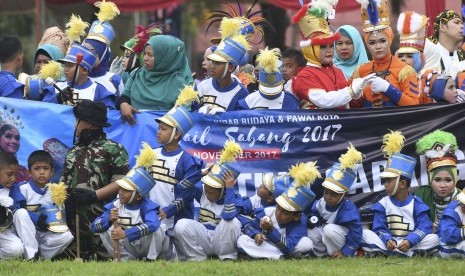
x=359 y=84
x=379 y=85
x=116 y=66
x=6 y=201
x=214 y=111
x=460 y=96
x=205 y=109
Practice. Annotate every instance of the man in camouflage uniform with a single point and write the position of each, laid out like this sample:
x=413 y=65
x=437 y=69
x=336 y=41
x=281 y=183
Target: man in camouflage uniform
x=91 y=168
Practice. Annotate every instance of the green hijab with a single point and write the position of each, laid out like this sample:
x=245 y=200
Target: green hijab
x=159 y=87
x=435 y=203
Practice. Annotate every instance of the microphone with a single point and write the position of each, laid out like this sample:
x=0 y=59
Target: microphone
x=50 y=81
x=79 y=57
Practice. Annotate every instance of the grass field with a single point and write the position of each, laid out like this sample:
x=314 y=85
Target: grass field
x=354 y=266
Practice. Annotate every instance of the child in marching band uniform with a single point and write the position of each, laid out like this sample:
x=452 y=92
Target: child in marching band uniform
x=270 y=94
x=138 y=229
x=222 y=92
x=281 y=230
x=272 y=186
x=18 y=239
x=401 y=224
x=452 y=230
x=174 y=169
x=217 y=230
x=334 y=222
x=52 y=238
x=84 y=87
x=11 y=60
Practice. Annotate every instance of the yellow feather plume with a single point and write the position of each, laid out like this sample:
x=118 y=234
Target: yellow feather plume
x=108 y=10
x=348 y=160
x=187 y=96
x=268 y=59
x=75 y=28
x=393 y=143
x=242 y=40
x=230 y=151
x=52 y=70
x=304 y=173
x=229 y=27
x=58 y=193
x=146 y=157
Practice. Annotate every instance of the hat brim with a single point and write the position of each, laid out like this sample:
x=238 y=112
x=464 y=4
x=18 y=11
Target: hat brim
x=59 y=228
x=333 y=187
x=284 y=204
x=165 y=121
x=123 y=183
x=388 y=175
x=217 y=58
x=407 y=50
x=64 y=60
x=461 y=197
x=271 y=91
x=210 y=181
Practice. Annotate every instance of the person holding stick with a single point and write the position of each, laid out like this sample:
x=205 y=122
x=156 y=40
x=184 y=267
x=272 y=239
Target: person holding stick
x=78 y=86
x=91 y=168
x=129 y=227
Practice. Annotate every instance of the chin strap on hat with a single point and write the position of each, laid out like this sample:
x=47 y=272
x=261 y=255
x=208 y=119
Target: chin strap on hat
x=225 y=70
x=172 y=135
x=132 y=197
x=396 y=185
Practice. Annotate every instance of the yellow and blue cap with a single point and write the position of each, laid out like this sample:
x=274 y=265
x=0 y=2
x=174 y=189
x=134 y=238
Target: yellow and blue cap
x=88 y=56
x=137 y=179
x=56 y=218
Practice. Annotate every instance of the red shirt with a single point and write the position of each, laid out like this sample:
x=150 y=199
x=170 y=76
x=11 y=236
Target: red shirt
x=328 y=78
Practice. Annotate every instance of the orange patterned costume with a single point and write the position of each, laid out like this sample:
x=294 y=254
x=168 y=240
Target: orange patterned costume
x=403 y=89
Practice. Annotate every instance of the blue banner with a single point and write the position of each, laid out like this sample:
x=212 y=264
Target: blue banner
x=272 y=140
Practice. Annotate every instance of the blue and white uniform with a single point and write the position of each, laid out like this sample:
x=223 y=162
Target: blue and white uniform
x=172 y=170
x=20 y=238
x=216 y=231
x=398 y=221
x=214 y=99
x=258 y=100
x=287 y=239
x=145 y=236
x=451 y=230
x=339 y=228
x=10 y=87
x=50 y=244
x=112 y=82
x=89 y=91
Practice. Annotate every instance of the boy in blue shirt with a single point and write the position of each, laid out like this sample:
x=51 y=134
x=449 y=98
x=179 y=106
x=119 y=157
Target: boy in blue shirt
x=222 y=92
x=270 y=93
x=137 y=230
x=84 y=87
x=174 y=168
x=19 y=238
x=281 y=230
x=451 y=229
x=11 y=60
x=334 y=222
x=52 y=239
x=401 y=224
x=272 y=187
x=217 y=229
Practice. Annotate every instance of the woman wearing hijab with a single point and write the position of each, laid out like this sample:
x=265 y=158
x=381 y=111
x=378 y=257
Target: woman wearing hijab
x=349 y=50
x=441 y=163
x=396 y=83
x=44 y=54
x=156 y=85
